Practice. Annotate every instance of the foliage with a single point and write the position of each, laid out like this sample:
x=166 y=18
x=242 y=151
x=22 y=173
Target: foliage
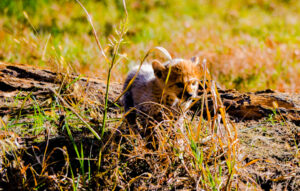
x=250 y=44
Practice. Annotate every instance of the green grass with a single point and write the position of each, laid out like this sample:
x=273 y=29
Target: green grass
x=250 y=44
x=63 y=150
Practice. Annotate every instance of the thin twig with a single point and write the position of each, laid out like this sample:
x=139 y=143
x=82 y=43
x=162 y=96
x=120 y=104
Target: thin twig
x=106 y=107
x=89 y=18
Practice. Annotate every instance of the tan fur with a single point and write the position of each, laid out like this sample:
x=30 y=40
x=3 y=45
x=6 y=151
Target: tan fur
x=150 y=88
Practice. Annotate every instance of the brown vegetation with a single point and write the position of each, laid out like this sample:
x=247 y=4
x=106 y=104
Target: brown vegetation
x=22 y=80
x=266 y=157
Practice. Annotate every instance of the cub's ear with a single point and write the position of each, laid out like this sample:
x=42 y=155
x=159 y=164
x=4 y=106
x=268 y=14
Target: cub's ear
x=195 y=59
x=158 y=68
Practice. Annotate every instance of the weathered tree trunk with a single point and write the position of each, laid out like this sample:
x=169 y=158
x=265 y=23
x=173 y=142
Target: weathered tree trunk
x=17 y=82
x=257 y=105
x=20 y=82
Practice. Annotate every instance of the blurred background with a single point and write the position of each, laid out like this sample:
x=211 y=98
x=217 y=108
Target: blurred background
x=249 y=44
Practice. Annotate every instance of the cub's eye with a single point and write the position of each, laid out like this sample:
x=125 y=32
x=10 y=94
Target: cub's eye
x=180 y=85
x=194 y=83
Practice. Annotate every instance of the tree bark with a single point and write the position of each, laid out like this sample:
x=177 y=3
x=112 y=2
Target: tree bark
x=19 y=83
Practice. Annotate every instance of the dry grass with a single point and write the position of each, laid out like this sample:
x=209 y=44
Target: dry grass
x=250 y=45
x=55 y=147
x=65 y=154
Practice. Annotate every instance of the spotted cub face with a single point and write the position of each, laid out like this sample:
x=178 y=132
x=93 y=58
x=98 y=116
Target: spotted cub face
x=182 y=84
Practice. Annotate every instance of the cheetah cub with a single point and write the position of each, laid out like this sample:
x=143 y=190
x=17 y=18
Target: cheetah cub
x=150 y=89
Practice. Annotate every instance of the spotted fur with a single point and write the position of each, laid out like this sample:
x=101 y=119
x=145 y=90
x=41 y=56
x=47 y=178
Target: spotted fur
x=150 y=87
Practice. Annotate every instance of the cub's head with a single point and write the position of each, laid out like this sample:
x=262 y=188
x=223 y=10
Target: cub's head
x=182 y=84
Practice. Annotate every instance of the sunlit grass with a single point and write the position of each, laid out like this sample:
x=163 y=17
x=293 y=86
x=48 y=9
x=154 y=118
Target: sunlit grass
x=250 y=45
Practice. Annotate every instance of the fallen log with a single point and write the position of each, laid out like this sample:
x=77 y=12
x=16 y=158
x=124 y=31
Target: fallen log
x=259 y=104
x=20 y=81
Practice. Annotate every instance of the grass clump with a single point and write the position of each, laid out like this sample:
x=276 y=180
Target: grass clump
x=66 y=155
x=71 y=141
